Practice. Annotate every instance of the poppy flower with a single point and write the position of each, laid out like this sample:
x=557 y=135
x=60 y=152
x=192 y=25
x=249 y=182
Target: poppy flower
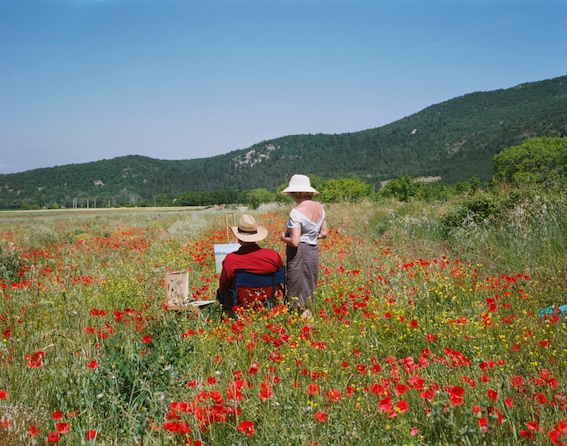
x=33 y=431
x=334 y=395
x=492 y=394
x=91 y=434
x=3 y=395
x=517 y=381
x=53 y=437
x=247 y=427
x=320 y=416
x=266 y=391
x=63 y=428
x=57 y=415
x=93 y=364
x=146 y=339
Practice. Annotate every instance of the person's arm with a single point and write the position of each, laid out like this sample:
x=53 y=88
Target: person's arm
x=291 y=238
x=226 y=276
x=323 y=232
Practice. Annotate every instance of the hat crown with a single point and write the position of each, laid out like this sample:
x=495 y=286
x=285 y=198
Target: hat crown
x=248 y=230
x=300 y=181
x=247 y=224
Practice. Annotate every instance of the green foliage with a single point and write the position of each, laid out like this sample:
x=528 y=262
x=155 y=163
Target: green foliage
x=9 y=265
x=478 y=209
x=401 y=188
x=346 y=189
x=537 y=160
x=254 y=198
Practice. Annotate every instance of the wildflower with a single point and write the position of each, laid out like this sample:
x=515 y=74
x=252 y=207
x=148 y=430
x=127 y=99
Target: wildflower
x=254 y=367
x=57 y=415
x=320 y=416
x=93 y=365
x=266 y=391
x=492 y=394
x=560 y=430
x=146 y=339
x=53 y=437
x=35 y=361
x=402 y=406
x=334 y=395
x=63 y=428
x=3 y=395
x=91 y=434
x=313 y=389
x=517 y=381
x=33 y=430
x=247 y=427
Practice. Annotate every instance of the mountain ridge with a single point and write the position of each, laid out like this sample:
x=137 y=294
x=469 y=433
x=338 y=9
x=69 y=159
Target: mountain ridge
x=455 y=139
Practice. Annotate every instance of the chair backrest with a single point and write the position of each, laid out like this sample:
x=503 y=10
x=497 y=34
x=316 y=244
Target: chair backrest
x=247 y=279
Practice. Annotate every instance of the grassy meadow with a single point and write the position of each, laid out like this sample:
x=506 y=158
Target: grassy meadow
x=426 y=330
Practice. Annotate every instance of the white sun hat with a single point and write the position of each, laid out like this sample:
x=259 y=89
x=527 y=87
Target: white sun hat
x=299 y=183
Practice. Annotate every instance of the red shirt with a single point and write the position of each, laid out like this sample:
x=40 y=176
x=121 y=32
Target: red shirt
x=253 y=259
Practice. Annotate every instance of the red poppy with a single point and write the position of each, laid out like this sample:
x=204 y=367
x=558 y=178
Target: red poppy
x=53 y=437
x=63 y=428
x=33 y=430
x=254 y=367
x=313 y=389
x=91 y=435
x=402 y=406
x=3 y=395
x=320 y=416
x=35 y=361
x=492 y=394
x=93 y=364
x=334 y=395
x=517 y=381
x=266 y=391
x=246 y=427
x=146 y=339
x=57 y=415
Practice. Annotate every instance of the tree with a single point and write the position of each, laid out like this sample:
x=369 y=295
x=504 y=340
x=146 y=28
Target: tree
x=255 y=197
x=537 y=160
x=346 y=189
x=402 y=188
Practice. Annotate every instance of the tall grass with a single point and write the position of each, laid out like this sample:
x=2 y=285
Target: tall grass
x=425 y=330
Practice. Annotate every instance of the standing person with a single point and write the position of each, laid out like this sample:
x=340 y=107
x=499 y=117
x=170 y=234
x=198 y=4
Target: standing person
x=305 y=226
x=251 y=258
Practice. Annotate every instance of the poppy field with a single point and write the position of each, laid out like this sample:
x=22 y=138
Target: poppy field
x=411 y=342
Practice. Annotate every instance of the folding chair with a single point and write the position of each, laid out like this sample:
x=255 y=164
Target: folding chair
x=245 y=279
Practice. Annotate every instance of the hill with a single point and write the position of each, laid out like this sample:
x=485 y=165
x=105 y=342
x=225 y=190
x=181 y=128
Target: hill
x=455 y=139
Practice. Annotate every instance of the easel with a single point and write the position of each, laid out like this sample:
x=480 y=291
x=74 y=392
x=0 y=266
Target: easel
x=221 y=250
x=228 y=231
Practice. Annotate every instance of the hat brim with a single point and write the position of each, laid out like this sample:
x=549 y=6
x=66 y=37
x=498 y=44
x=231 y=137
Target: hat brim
x=291 y=190
x=260 y=234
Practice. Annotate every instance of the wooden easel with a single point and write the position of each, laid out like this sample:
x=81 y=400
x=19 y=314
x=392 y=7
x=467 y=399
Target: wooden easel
x=227 y=225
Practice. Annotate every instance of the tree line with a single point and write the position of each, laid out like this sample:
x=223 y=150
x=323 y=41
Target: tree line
x=540 y=160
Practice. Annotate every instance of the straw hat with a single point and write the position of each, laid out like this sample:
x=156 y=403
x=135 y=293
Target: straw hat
x=248 y=230
x=299 y=183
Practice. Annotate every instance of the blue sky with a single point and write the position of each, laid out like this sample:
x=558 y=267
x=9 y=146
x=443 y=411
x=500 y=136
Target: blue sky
x=85 y=80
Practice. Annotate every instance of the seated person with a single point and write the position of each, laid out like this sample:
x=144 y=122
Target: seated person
x=251 y=258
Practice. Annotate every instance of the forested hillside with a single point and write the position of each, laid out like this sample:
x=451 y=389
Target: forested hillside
x=455 y=139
